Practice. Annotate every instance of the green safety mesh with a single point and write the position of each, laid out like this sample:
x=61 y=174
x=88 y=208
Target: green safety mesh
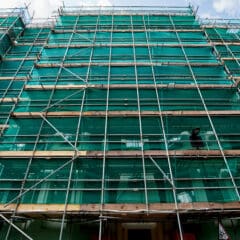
x=123 y=133
x=229 y=49
x=126 y=99
x=93 y=54
x=5 y=43
x=126 y=54
x=198 y=180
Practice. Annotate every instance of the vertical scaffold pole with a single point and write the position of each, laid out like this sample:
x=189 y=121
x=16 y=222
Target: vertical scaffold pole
x=105 y=134
x=164 y=134
x=139 y=118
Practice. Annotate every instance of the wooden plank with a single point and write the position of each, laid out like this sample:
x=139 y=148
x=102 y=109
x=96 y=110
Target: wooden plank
x=128 y=86
x=230 y=59
x=123 y=209
x=123 y=64
x=128 y=45
x=46 y=154
x=116 y=154
x=9 y=59
x=7 y=99
x=4 y=126
x=64 y=87
x=237 y=81
x=221 y=25
x=30 y=43
x=48 y=207
x=14 y=78
x=58 y=30
x=15 y=100
x=234 y=43
x=124 y=13
x=181 y=113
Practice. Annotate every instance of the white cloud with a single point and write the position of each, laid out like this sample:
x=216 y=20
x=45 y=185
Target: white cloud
x=230 y=7
x=207 y=8
x=87 y=2
x=11 y=3
x=104 y=3
x=45 y=8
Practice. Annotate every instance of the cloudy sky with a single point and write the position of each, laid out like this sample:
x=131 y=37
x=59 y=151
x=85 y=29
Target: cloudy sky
x=207 y=8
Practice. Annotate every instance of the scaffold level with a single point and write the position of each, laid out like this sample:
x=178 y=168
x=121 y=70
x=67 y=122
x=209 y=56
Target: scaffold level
x=119 y=123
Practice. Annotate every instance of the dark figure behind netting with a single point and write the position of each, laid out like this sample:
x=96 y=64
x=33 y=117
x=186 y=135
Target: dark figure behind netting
x=195 y=139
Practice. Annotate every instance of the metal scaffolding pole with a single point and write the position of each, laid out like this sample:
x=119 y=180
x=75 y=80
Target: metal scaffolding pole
x=16 y=227
x=162 y=172
x=165 y=139
x=75 y=75
x=105 y=139
x=63 y=99
x=140 y=120
x=71 y=167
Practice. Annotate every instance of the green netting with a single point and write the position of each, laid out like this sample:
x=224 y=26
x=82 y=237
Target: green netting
x=119 y=37
x=122 y=54
x=121 y=21
x=224 y=51
x=126 y=75
x=197 y=179
x=233 y=66
x=219 y=34
x=23 y=51
x=11 y=27
x=37 y=35
x=15 y=68
x=5 y=43
x=10 y=89
x=126 y=99
x=8 y=21
x=210 y=181
x=11 y=172
x=123 y=133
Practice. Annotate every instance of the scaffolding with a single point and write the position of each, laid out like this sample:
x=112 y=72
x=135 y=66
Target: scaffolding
x=97 y=110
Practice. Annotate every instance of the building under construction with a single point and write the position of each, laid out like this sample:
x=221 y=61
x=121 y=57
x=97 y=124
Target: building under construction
x=119 y=123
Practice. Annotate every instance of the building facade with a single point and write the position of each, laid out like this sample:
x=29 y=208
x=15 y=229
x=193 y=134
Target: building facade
x=119 y=123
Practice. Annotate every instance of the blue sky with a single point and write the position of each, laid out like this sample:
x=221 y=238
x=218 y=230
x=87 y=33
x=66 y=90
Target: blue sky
x=207 y=8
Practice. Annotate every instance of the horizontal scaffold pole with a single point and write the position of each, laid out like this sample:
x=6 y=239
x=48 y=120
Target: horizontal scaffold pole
x=128 y=86
x=192 y=154
x=123 y=64
x=165 y=30
x=4 y=126
x=232 y=43
x=52 y=210
x=127 y=45
x=7 y=99
x=14 y=78
x=125 y=113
